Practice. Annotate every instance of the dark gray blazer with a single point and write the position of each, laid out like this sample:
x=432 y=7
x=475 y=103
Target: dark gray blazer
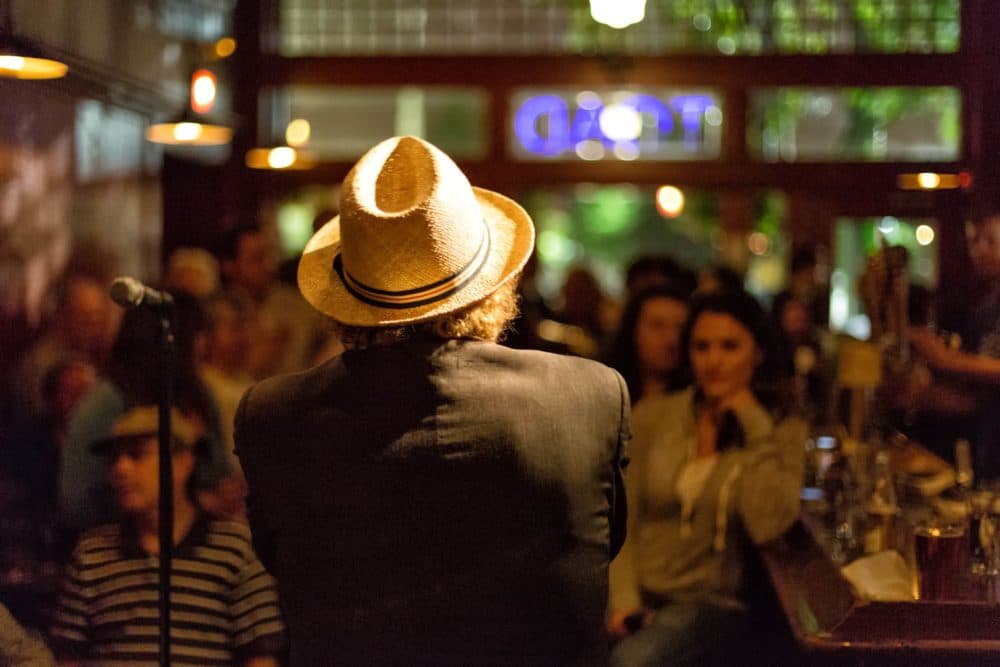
x=439 y=503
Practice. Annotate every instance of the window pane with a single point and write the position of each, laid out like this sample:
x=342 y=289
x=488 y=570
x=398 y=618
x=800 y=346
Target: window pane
x=345 y=122
x=745 y=27
x=897 y=124
x=605 y=227
x=615 y=124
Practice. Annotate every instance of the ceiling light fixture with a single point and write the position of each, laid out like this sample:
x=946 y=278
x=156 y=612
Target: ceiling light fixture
x=618 y=14
x=19 y=62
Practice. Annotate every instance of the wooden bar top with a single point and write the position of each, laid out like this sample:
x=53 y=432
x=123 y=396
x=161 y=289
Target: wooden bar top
x=834 y=627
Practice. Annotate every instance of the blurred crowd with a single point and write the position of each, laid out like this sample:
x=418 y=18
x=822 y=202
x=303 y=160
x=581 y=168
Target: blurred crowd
x=724 y=391
x=238 y=321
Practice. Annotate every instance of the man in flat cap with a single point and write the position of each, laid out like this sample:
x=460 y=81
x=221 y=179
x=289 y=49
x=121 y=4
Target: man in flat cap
x=224 y=607
x=430 y=497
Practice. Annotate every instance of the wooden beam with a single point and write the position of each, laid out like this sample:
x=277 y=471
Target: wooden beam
x=577 y=71
x=502 y=174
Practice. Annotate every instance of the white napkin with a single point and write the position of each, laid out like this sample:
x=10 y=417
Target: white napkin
x=882 y=576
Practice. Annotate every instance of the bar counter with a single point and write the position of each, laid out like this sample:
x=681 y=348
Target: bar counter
x=833 y=626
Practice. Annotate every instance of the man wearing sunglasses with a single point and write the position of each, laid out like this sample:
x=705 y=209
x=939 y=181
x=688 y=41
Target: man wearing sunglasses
x=224 y=607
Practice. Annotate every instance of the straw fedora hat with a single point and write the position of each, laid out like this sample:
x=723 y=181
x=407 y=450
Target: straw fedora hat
x=413 y=241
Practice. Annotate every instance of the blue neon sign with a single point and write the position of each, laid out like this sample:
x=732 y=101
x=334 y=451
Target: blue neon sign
x=553 y=124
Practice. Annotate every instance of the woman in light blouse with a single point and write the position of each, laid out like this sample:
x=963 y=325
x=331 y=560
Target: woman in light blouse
x=714 y=468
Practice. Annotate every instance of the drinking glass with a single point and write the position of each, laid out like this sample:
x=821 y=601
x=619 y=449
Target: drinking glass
x=939 y=552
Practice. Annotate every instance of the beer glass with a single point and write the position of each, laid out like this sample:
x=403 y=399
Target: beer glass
x=939 y=552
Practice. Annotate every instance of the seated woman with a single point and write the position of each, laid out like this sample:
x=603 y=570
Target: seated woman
x=646 y=349
x=713 y=467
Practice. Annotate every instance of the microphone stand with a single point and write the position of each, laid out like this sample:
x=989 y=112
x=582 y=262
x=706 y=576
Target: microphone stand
x=166 y=510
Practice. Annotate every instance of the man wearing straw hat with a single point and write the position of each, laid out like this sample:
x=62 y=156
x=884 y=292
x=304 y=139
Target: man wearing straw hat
x=430 y=497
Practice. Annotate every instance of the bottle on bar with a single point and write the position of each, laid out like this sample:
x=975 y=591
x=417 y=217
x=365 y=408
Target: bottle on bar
x=882 y=510
x=975 y=510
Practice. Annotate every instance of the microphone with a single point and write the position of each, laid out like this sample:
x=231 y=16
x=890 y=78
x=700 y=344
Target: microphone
x=131 y=293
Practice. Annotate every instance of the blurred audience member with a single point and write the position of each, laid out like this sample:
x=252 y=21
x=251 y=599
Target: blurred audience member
x=223 y=597
x=585 y=313
x=80 y=330
x=718 y=278
x=193 y=271
x=807 y=283
x=932 y=408
x=803 y=354
x=18 y=648
x=979 y=361
x=646 y=349
x=223 y=369
x=523 y=332
x=712 y=467
x=29 y=460
x=658 y=271
x=132 y=377
x=288 y=331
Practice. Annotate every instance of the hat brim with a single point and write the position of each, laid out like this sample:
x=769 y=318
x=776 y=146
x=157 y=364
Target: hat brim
x=104 y=445
x=512 y=240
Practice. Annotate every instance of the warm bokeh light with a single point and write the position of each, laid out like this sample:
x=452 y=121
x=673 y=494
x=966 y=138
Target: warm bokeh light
x=758 y=243
x=618 y=13
x=23 y=67
x=281 y=157
x=669 y=201
x=203 y=91
x=12 y=63
x=590 y=149
x=928 y=180
x=297 y=133
x=225 y=47
x=925 y=235
x=187 y=131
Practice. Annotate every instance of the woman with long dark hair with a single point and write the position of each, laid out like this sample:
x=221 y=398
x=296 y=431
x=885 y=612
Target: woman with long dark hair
x=646 y=349
x=714 y=467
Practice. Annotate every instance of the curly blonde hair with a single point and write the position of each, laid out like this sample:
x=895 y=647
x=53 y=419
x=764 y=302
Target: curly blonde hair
x=485 y=320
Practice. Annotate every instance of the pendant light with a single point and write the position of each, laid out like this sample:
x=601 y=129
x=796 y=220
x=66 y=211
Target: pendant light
x=288 y=157
x=18 y=60
x=191 y=129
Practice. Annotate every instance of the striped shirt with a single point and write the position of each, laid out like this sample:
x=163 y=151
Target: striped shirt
x=223 y=604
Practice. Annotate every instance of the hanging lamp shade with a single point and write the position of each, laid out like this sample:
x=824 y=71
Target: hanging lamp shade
x=16 y=66
x=189 y=131
x=193 y=128
x=18 y=59
x=279 y=158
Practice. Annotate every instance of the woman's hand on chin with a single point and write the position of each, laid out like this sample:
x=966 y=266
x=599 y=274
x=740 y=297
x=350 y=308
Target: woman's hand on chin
x=736 y=401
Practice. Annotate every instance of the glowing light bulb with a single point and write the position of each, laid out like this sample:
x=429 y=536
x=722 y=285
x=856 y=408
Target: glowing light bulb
x=187 y=131
x=298 y=131
x=281 y=157
x=13 y=63
x=619 y=122
x=203 y=90
x=669 y=201
x=928 y=180
x=618 y=14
